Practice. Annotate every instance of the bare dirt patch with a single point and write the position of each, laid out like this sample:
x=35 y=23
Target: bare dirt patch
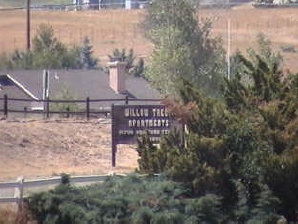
x=43 y=148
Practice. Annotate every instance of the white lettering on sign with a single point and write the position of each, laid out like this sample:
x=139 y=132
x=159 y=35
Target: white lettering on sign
x=136 y=112
x=147 y=123
x=154 y=139
x=160 y=112
x=126 y=132
x=165 y=132
x=151 y=132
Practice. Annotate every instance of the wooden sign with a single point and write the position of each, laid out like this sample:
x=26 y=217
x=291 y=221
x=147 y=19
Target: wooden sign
x=130 y=121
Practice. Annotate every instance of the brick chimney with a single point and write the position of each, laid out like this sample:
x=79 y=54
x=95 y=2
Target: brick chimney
x=117 y=76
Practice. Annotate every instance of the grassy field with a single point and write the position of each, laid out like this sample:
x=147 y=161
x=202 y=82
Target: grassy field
x=110 y=29
x=20 y=3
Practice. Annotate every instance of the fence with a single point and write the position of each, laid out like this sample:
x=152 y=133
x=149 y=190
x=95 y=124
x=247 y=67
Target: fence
x=21 y=187
x=87 y=111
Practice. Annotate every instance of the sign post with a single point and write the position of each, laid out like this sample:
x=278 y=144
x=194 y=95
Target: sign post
x=114 y=143
x=130 y=121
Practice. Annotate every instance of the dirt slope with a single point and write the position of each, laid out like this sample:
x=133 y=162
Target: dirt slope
x=41 y=148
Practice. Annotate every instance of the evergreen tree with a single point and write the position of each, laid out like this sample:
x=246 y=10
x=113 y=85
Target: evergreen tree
x=88 y=61
x=47 y=52
x=124 y=57
x=138 y=70
x=270 y=97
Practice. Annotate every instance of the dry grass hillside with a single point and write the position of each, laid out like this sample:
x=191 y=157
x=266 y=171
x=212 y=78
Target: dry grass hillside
x=43 y=148
x=110 y=29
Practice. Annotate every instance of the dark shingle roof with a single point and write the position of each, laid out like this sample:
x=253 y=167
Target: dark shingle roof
x=82 y=84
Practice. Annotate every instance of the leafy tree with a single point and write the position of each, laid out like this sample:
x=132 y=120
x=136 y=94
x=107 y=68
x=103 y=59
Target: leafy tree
x=183 y=48
x=86 y=53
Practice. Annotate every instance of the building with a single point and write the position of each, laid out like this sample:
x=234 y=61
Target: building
x=104 y=4
x=80 y=84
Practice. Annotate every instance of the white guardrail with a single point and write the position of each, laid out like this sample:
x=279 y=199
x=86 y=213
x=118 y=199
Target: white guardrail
x=21 y=188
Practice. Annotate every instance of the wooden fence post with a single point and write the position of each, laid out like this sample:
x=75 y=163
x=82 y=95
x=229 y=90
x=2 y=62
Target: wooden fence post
x=25 y=112
x=114 y=143
x=126 y=100
x=48 y=107
x=67 y=112
x=5 y=106
x=19 y=193
x=87 y=108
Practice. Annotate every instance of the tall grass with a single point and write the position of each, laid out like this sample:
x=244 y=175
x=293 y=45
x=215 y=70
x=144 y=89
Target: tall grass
x=20 y=3
x=9 y=215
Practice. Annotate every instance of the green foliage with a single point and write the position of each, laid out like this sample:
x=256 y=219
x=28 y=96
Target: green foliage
x=65 y=178
x=16 y=59
x=183 y=48
x=129 y=199
x=234 y=148
x=154 y=159
x=281 y=171
x=207 y=209
x=264 y=211
x=123 y=56
x=134 y=70
x=269 y=100
x=138 y=70
x=48 y=52
x=88 y=61
x=64 y=94
x=268 y=94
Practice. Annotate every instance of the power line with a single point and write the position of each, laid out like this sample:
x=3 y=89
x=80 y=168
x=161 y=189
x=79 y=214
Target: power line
x=28 y=25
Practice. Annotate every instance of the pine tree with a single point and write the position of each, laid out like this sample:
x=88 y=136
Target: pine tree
x=86 y=54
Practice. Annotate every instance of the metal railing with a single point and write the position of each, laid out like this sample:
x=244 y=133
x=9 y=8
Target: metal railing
x=21 y=187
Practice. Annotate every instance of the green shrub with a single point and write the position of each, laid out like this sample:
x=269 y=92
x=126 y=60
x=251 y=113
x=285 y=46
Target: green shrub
x=128 y=199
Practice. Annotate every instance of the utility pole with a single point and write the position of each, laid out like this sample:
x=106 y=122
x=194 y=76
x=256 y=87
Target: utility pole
x=229 y=48
x=28 y=25
x=229 y=41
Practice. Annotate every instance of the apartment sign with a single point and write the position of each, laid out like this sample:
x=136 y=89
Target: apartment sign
x=131 y=121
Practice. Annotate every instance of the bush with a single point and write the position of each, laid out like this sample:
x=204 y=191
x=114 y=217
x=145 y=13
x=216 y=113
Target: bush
x=129 y=199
